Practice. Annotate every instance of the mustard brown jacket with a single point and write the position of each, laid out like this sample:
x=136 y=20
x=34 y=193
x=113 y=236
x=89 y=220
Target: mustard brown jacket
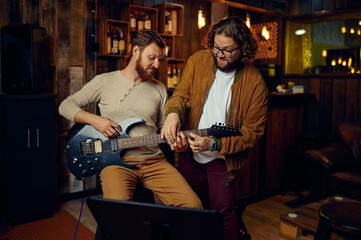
x=248 y=109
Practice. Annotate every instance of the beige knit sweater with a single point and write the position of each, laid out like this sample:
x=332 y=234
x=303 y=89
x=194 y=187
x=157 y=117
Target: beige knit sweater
x=118 y=99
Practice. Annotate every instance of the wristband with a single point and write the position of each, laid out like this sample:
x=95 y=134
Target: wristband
x=213 y=147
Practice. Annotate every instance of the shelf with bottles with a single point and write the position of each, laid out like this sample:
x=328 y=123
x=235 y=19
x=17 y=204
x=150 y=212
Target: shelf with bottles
x=140 y=17
x=169 y=72
x=169 y=46
x=113 y=38
x=170 y=19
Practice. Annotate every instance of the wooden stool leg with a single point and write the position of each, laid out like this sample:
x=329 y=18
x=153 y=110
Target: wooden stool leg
x=323 y=231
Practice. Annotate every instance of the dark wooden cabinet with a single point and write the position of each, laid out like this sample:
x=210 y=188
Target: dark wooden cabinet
x=265 y=172
x=28 y=161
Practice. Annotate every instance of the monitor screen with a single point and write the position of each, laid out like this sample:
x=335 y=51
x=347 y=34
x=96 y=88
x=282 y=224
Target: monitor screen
x=127 y=220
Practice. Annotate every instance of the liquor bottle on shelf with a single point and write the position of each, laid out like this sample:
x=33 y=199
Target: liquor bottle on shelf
x=140 y=22
x=130 y=48
x=166 y=49
x=121 y=43
x=133 y=21
x=175 y=76
x=147 y=22
x=109 y=43
x=115 y=41
x=168 y=22
x=170 y=77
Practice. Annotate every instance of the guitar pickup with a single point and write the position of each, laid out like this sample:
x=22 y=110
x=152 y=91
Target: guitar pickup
x=90 y=147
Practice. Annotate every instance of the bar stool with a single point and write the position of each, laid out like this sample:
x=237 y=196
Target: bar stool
x=342 y=218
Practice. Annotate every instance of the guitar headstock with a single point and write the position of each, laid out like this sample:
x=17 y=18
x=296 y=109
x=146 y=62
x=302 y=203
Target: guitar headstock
x=220 y=130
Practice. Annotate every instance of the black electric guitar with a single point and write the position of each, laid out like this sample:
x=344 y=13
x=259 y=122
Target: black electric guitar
x=88 y=151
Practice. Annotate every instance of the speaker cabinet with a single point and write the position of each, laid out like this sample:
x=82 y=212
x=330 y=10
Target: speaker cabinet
x=24 y=59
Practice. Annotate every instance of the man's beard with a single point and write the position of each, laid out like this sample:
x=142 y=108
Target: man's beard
x=230 y=66
x=142 y=72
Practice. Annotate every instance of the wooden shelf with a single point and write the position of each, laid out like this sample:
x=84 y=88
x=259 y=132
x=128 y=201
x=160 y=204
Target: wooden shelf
x=176 y=13
x=174 y=39
x=106 y=26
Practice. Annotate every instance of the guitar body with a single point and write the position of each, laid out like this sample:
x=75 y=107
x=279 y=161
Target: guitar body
x=88 y=151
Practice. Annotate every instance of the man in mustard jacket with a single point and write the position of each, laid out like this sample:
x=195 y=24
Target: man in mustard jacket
x=218 y=84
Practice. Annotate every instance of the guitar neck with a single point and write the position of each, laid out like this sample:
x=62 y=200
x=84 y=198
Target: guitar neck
x=155 y=139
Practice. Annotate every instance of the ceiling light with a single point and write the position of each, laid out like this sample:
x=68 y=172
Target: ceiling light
x=324 y=53
x=248 y=20
x=300 y=31
x=201 y=18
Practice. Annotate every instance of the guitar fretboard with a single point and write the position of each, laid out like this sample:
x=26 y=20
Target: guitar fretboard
x=154 y=139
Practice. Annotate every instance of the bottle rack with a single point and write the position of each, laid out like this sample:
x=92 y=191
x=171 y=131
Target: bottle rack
x=106 y=27
x=140 y=13
x=129 y=24
x=163 y=73
x=176 y=16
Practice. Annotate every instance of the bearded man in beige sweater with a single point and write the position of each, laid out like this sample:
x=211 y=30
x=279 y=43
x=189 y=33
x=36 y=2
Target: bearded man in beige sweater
x=123 y=94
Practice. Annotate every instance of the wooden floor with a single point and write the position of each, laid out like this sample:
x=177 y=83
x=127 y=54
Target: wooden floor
x=262 y=218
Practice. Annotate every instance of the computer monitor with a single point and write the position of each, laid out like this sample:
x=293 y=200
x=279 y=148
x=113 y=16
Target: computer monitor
x=125 y=220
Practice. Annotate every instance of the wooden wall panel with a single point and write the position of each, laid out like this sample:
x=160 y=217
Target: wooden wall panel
x=62 y=34
x=32 y=12
x=304 y=6
x=328 y=5
x=338 y=101
x=3 y=20
x=77 y=40
x=284 y=123
x=90 y=51
x=316 y=5
x=4 y=13
x=341 y=4
x=359 y=101
x=294 y=7
x=326 y=105
x=16 y=14
x=46 y=20
x=246 y=183
x=351 y=99
x=314 y=106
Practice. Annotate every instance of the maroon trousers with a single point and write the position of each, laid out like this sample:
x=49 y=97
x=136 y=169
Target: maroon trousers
x=209 y=181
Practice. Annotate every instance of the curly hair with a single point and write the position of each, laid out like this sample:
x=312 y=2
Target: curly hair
x=236 y=28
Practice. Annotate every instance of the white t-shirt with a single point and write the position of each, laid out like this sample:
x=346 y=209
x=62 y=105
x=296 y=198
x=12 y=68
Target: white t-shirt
x=215 y=109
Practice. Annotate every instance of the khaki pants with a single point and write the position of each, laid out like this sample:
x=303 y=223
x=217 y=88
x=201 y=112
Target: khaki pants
x=156 y=174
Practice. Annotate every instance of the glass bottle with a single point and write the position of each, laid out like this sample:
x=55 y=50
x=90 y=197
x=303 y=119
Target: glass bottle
x=166 y=49
x=140 y=22
x=109 y=43
x=121 y=43
x=115 y=40
x=133 y=22
x=147 y=22
x=169 y=21
x=170 y=77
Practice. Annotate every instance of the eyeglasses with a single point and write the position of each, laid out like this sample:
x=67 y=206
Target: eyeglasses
x=226 y=53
